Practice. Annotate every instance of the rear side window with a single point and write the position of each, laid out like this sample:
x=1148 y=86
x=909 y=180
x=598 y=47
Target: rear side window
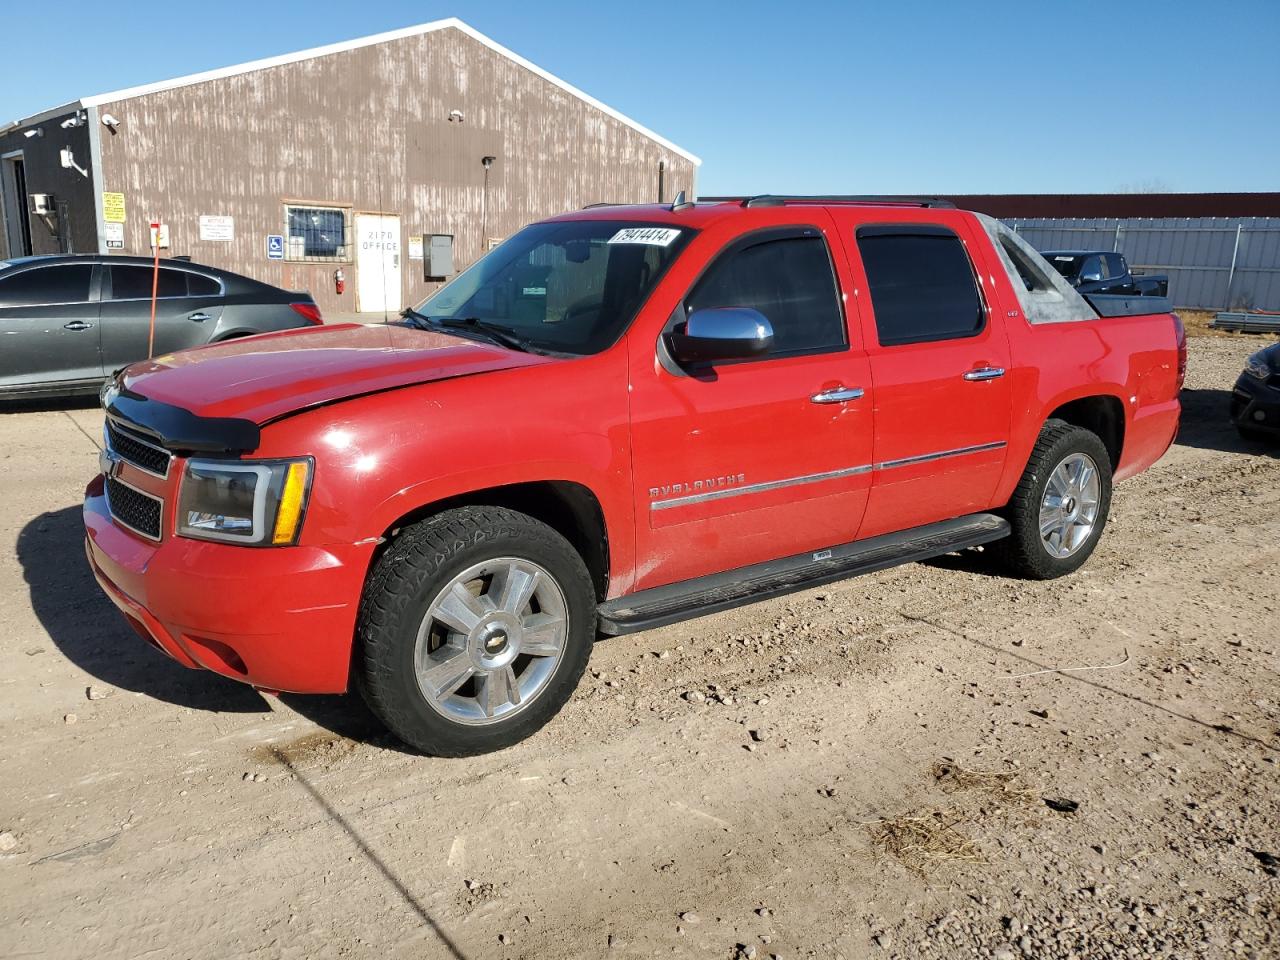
x=202 y=286
x=789 y=280
x=134 y=283
x=922 y=284
x=46 y=286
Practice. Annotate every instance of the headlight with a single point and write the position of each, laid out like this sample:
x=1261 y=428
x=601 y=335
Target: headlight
x=1257 y=366
x=254 y=502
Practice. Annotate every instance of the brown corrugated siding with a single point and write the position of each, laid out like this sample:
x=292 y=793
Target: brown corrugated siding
x=368 y=128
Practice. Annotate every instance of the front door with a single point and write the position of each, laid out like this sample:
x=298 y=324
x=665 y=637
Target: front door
x=377 y=263
x=752 y=460
x=939 y=362
x=49 y=326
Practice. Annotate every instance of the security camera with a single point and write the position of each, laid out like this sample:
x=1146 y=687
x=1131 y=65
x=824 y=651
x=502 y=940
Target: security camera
x=110 y=122
x=76 y=121
x=34 y=132
x=455 y=116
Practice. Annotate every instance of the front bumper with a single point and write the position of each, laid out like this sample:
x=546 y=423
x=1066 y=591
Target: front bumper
x=1255 y=404
x=281 y=618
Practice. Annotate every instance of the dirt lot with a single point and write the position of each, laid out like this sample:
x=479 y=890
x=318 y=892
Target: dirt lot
x=866 y=777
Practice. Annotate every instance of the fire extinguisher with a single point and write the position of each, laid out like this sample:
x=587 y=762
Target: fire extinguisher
x=339 y=281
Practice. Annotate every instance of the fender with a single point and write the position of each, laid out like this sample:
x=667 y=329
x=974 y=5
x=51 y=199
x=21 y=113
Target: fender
x=385 y=456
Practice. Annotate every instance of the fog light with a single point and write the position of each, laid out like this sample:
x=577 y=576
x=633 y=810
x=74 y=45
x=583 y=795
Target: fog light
x=1259 y=415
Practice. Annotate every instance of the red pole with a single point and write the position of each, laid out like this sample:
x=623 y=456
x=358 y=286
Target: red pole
x=155 y=287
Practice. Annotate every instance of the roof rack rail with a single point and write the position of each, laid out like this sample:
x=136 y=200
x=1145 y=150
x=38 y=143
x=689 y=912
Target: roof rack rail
x=603 y=203
x=778 y=200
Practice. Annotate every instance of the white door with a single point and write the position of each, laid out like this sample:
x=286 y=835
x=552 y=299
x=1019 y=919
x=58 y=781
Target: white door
x=377 y=263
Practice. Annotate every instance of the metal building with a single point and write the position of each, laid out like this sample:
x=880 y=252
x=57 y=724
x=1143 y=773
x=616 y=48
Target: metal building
x=339 y=158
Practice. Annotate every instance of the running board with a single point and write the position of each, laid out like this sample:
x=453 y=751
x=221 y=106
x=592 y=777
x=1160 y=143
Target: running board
x=660 y=606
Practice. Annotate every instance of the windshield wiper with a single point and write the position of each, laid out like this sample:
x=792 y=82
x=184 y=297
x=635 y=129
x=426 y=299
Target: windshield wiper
x=416 y=319
x=494 y=332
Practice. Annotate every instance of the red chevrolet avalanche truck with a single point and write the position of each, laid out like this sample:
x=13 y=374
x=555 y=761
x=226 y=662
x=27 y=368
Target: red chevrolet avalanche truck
x=619 y=418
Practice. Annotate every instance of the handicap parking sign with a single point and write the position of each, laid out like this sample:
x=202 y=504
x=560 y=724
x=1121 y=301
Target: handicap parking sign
x=275 y=247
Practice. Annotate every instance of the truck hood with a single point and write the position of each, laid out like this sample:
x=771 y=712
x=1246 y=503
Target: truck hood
x=266 y=377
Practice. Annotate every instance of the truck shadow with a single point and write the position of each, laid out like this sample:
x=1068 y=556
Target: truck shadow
x=1206 y=425
x=89 y=631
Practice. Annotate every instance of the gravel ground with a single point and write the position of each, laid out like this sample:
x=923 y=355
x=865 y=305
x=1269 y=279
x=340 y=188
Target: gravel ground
x=925 y=762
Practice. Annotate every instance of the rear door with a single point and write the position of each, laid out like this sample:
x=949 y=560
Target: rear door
x=1119 y=280
x=939 y=358
x=756 y=459
x=187 y=311
x=49 y=325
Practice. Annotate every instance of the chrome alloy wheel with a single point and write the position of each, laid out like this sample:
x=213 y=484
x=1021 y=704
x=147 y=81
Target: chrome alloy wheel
x=491 y=641
x=1069 y=510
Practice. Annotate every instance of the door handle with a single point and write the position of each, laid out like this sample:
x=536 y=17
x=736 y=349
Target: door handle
x=985 y=373
x=77 y=325
x=198 y=317
x=837 y=395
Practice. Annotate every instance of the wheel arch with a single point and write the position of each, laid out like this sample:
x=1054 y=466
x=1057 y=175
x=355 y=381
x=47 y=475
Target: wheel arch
x=570 y=508
x=1101 y=414
x=235 y=334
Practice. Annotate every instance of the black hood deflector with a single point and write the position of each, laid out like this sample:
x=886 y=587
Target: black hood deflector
x=179 y=430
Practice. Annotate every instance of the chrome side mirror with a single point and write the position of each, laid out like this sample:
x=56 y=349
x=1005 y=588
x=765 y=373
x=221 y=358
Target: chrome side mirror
x=721 y=333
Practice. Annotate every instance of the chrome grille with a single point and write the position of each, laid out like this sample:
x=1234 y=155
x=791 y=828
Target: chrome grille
x=141 y=452
x=131 y=508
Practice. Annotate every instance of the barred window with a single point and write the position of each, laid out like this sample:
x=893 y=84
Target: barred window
x=316 y=233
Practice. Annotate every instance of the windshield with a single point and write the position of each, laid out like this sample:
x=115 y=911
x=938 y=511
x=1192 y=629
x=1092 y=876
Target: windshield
x=569 y=287
x=1065 y=263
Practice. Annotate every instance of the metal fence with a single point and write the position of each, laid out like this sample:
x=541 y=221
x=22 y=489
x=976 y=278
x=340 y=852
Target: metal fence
x=1213 y=263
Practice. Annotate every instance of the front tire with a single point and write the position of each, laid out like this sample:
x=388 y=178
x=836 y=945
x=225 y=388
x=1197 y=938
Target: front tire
x=1060 y=507
x=474 y=630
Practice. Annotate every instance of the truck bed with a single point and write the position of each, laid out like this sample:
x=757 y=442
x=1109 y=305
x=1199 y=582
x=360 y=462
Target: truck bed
x=1121 y=305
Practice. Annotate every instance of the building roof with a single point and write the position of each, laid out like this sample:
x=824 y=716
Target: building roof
x=435 y=25
x=1008 y=206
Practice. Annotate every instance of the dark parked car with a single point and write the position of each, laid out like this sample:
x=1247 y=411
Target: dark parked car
x=1099 y=271
x=67 y=322
x=1255 y=401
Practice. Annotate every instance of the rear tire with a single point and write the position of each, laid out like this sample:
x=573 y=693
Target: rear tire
x=474 y=630
x=1060 y=506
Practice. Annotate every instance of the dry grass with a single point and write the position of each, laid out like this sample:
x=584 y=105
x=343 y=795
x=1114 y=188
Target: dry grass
x=933 y=838
x=1001 y=784
x=921 y=841
x=1197 y=323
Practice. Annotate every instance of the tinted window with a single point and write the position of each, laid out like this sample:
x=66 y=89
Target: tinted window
x=201 y=286
x=922 y=285
x=69 y=284
x=788 y=280
x=1092 y=267
x=1065 y=264
x=134 y=283
x=572 y=286
x=1115 y=265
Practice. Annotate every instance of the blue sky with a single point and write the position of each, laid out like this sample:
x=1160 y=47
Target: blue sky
x=911 y=97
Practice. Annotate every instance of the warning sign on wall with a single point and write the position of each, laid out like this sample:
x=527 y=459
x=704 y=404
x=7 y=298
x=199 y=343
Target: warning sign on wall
x=115 y=235
x=113 y=207
x=217 y=228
